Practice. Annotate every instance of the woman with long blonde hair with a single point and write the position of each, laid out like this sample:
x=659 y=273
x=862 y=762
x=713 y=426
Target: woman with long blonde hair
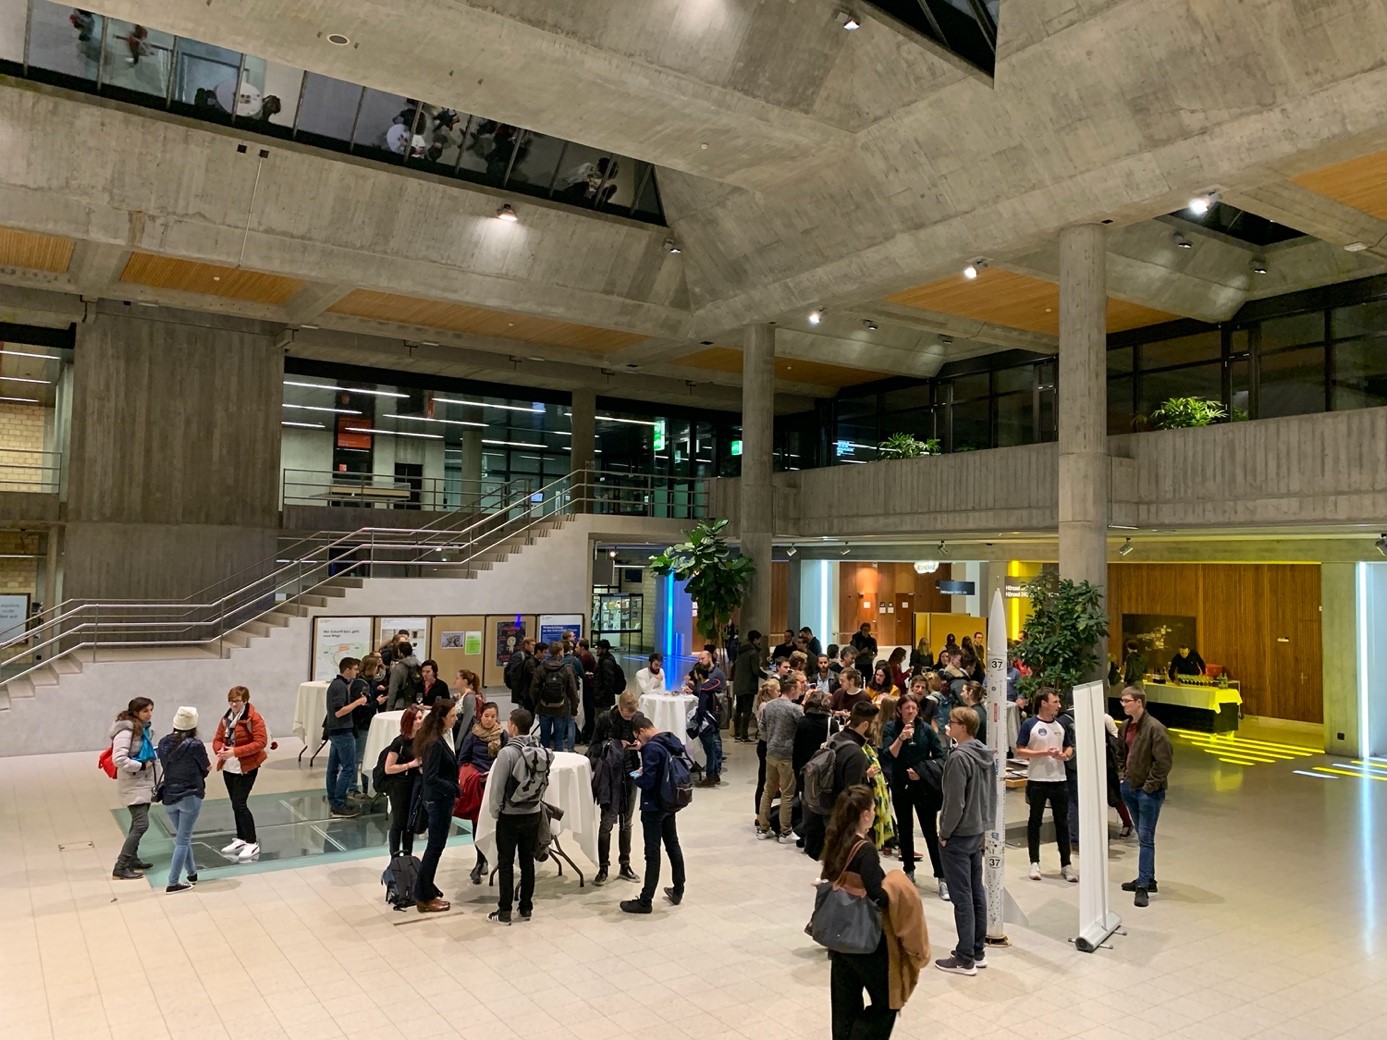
x=768 y=691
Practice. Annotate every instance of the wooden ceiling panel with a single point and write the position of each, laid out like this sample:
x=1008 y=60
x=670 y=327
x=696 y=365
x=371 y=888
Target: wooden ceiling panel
x=33 y=251
x=1360 y=183
x=1017 y=301
x=791 y=370
x=478 y=321
x=192 y=276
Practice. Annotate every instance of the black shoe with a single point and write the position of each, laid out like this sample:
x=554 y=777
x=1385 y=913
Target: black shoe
x=346 y=812
x=192 y=879
x=601 y=878
x=178 y=888
x=1141 y=899
x=635 y=906
x=627 y=874
x=674 y=896
x=477 y=872
x=1131 y=886
x=499 y=917
x=140 y=864
x=126 y=874
x=524 y=916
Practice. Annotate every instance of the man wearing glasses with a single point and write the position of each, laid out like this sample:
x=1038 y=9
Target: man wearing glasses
x=1146 y=767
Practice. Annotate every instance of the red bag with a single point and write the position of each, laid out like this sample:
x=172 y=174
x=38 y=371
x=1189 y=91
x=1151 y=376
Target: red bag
x=469 y=800
x=106 y=762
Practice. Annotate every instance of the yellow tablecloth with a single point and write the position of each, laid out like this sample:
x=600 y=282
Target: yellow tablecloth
x=1204 y=698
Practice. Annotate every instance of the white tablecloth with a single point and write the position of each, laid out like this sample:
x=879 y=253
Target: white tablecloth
x=309 y=710
x=570 y=788
x=670 y=713
x=385 y=727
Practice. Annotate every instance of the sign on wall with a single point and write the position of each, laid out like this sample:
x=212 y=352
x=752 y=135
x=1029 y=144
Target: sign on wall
x=553 y=626
x=508 y=637
x=417 y=627
x=14 y=612
x=335 y=638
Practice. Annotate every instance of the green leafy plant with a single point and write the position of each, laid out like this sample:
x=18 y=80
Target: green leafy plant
x=1180 y=413
x=907 y=446
x=1060 y=641
x=716 y=578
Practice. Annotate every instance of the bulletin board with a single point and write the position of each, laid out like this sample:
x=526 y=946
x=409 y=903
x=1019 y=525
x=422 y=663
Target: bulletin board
x=449 y=639
x=494 y=674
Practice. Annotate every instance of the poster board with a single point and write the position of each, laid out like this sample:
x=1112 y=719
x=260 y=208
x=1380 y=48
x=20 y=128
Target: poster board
x=417 y=627
x=451 y=634
x=14 y=615
x=500 y=634
x=335 y=638
x=553 y=626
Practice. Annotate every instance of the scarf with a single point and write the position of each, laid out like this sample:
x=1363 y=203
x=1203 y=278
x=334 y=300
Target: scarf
x=229 y=721
x=492 y=737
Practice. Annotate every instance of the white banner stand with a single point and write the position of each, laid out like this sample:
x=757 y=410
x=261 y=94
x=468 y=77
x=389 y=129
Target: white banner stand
x=1096 y=921
x=995 y=844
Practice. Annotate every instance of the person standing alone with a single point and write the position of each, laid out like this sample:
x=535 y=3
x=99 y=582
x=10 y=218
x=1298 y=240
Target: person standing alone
x=970 y=799
x=514 y=795
x=240 y=746
x=1148 y=760
x=1046 y=743
x=339 y=730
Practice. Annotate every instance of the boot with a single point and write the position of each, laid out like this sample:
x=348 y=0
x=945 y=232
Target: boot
x=479 y=870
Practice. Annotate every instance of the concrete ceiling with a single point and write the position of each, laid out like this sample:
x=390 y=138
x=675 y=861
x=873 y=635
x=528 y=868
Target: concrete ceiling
x=801 y=167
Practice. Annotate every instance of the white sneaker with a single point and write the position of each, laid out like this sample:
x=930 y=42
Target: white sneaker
x=788 y=838
x=248 y=853
x=1034 y=875
x=763 y=835
x=943 y=890
x=1070 y=874
x=235 y=847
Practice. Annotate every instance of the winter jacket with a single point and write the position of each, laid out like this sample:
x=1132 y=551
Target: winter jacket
x=810 y=733
x=522 y=674
x=475 y=751
x=748 y=671
x=401 y=689
x=1150 y=755
x=654 y=756
x=511 y=765
x=610 y=775
x=251 y=738
x=429 y=694
x=970 y=791
x=338 y=697
x=546 y=667
x=708 y=714
x=923 y=745
x=134 y=780
x=362 y=716
x=849 y=760
x=611 y=726
x=610 y=681
x=185 y=768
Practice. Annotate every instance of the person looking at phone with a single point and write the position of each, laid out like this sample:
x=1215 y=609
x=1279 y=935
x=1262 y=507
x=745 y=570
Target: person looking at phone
x=614 y=747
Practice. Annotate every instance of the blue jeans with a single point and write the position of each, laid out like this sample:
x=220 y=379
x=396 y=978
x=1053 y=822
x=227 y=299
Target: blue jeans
x=341 y=767
x=712 y=751
x=357 y=778
x=1146 y=810
x=553 y=729
x=571 y=734
x=183 y=815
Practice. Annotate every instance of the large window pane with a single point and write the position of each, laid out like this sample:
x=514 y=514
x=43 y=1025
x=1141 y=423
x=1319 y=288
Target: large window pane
x=1297 y=330
x=582 y=175
x=65 y=40
x=648 y=200
x=968 y=388
x=1016 y=419
x=1291 y=383
x=536 y=161
x=1360 y=373
x=442 y=130
x=328 y=111
x=138 y=59
x=1202 y=347
x=12 y=27
x=1022 y=377
x=389 y=123
x=1364 y=319
x=970 y=426
x=1202 y=381
x=1120 y=411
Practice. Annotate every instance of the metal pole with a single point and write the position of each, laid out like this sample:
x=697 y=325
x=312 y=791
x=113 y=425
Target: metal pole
x=995 y=844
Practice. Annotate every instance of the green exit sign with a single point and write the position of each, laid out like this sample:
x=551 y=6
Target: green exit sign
x=736 y=447
x=659 y=435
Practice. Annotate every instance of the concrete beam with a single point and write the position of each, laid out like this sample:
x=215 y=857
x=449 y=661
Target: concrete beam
x=1331 y=221
x=309 y=303
x=96 y=268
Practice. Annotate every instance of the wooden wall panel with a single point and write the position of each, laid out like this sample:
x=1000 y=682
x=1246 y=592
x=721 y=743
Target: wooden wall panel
x=1242 y=612
x=780 y=603
x=1360 y=183
x=237 y=283
x=35 y=251
x=791 y=370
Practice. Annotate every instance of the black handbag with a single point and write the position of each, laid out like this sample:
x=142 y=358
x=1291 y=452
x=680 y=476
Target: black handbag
x=845 y=921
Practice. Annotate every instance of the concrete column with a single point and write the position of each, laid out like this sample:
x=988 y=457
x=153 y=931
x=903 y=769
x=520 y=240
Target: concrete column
x=758 y=426
x=471 y=466
x=1339 y=632
x=583 y=423
x=1083 y=410
x=50 y=576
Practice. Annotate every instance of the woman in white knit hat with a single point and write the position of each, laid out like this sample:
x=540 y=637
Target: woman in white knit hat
x=185 y=763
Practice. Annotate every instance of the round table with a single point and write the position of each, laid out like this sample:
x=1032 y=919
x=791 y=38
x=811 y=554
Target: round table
x=385 y=727
x=309 y=711
x=570 y=788
x=670 y=713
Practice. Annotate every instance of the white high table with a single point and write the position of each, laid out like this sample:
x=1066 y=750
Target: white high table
x=385 y=727
x=670 y=713
x=309 y=711
x=570 y=788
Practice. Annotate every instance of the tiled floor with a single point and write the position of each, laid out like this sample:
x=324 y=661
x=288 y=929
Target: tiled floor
x=1267 y=925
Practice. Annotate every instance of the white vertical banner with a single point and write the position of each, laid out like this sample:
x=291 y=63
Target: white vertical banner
x=1096 y=920
x=995 y=844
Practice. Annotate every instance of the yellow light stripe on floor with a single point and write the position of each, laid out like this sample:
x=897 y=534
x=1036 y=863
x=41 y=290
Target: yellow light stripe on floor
x=1210 y=746
x=1238 y=761
x=1299 y=749
x=1241 y=747
x=1345 y=772
x=1370 y=765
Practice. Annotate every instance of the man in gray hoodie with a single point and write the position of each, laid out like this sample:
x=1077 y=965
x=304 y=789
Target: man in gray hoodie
x=514 y=790
x=970 y=799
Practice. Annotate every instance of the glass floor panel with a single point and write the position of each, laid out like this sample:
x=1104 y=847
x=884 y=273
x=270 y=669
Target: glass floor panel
x=295 y=830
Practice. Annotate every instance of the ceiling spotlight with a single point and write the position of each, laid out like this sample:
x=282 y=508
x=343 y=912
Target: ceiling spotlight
x=946 y=340
x=848 y=21
x=1201 y=204
x=970 y=272
x=844 y=550
x=1181 y=242
x=926 y=566
x=1356 y=247
x=1127 y=548
x=506 y=213
x=611 y=554
x=791 y=551
x=816 y=316
x=869 y=325
x=1381 y=544
x=671 y=246
x=1259 y=266
x=338 y=40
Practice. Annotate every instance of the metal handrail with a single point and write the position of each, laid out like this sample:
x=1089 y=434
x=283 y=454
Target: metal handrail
x=41 y=477
x=201 y=623
x=309 y=487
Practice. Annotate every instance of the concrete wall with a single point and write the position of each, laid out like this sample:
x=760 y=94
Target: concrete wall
x=1339 y=638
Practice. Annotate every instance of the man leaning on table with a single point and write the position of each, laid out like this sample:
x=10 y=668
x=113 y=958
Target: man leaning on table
x=651 y=678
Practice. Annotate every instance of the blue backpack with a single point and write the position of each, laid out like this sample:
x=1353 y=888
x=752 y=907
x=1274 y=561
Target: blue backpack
x=676 y=786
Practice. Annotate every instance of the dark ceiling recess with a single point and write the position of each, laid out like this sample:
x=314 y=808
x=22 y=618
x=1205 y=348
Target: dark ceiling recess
x=968 y=28
x=1240 y=224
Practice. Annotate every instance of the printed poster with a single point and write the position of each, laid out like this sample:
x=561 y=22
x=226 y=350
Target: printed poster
x=553 y=626
x=335 y=638
x=450 y=640
x=508 y=637
x=472 y=643
x=417 y=627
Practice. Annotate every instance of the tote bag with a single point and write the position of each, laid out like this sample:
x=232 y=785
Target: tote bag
x=845 y=920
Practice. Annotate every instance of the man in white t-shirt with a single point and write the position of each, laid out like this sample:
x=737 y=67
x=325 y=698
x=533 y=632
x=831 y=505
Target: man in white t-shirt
x=651 y=679
x=1046 y=743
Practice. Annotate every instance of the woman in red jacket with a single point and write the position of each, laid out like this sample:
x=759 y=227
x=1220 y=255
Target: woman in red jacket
x=240 y=749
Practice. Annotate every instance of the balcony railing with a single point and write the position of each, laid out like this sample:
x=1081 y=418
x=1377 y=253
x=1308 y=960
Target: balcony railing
x=35 y=472
x=306 y=487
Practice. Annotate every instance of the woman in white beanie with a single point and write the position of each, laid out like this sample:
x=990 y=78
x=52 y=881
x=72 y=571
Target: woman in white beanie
x=185 y=763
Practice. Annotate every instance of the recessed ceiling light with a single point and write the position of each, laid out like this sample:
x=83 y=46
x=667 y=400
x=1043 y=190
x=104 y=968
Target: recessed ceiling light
x=1201 y=204
x=1356 y=247
x=848 y=21
x=671 y=246
x=338 y=40
x=216 y=278
x=506 y=213
x=869 y=325
x=1181 y=242
x=1259 y=266
x=815 y=317
x=970 y=272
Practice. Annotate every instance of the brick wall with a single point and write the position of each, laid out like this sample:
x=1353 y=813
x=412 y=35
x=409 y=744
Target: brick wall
x=19 y=575
x=21 y=432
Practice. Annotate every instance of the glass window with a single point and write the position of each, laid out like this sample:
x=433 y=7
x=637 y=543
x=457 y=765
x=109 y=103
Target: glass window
x=1120 y=411
x=389 y=123
x=442 y=131
x=1365 y=319
x=12 y=18
x=581 y=175
x=1360 y=373
x=1291 y=383
x=1119 y=361
x=1202 y=347
x=910 y=397
x=648 y=194
x=140 y=60
x=1293 y=331
x=1021 y=377
x=970 y=425
x=1240 y=387
x=968 y=388
x=1202 y=381
x=280 y=87
x=66 y=40
x=328 y=109
x=1016 y=419
x=619 y=187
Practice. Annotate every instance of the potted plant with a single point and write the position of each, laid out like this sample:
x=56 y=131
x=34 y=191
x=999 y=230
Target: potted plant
x=1180 y=413
x=1059 y=644
x=715 y=578
x=907 y=446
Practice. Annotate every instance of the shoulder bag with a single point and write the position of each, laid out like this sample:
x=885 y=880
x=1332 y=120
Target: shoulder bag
x=845 y=920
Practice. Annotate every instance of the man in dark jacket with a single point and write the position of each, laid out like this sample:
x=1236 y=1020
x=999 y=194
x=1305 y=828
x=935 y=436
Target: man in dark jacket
x=746 y=677
x=1146 y=771
x=785 y=647
x=657 y=822
x=849 y=768
x=520 y=672
x=707 y=725
x=614 y=757
x=338 y=730
x=554 y=692
x=588 y=686
x=970 y=800
x=609 y=681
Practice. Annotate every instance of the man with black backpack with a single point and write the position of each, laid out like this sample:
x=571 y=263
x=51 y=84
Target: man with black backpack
x=665 y=787
x=514 y=793
x=554 y=693
x=610 y=680
x=839 y=764
x=406 y=679
x=520 y=672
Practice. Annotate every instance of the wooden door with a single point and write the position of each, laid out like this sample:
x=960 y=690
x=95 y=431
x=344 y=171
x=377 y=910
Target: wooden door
x=905 y=618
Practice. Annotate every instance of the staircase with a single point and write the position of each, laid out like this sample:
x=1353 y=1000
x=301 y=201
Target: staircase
x=324 y=568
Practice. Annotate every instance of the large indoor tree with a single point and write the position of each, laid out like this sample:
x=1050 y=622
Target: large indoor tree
x=712 y=574
x=1059 y=643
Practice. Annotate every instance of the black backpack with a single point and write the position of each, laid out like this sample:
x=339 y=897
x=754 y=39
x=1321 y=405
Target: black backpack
x=553 y=690
x=512 y=673
x=399 y=880
x=676 y=786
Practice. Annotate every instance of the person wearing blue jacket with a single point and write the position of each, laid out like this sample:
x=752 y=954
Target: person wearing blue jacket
x=657 y=823
x=707 y=724
x=185 y=762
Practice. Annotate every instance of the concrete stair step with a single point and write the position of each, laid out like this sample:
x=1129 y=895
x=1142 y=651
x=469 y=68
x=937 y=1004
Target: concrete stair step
x=20 y=687
x=325 y=589
x=47 y=675
x=346 y=582
x=290 y=609
x=311 y=600
x=237 y=637
x=143 y=654
x=67 y=665
x=275 y=619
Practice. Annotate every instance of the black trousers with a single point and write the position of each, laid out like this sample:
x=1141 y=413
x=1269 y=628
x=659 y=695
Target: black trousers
x=658 y=827
x=401 y=834
x=1056 y=793
x=623 y=815
x=760 y=774
x=850 y=974
x=741 y=721
x=440 y=824
x=517 y=833
x=815 y=826
x=917 y=796
x=238 y=787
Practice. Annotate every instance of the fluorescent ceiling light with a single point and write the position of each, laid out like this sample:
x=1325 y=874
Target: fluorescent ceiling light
x=1356 y=247
x=21 y=400
x=488 y=404
x=513 y=444
x=970 y=272
x=21 y=379
x=304 y=425
x=351 y=389
x=395 y=433
x=315 y=408
x=633 y=422
x=815 y=317
x=25 y=353
x=450 y=422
